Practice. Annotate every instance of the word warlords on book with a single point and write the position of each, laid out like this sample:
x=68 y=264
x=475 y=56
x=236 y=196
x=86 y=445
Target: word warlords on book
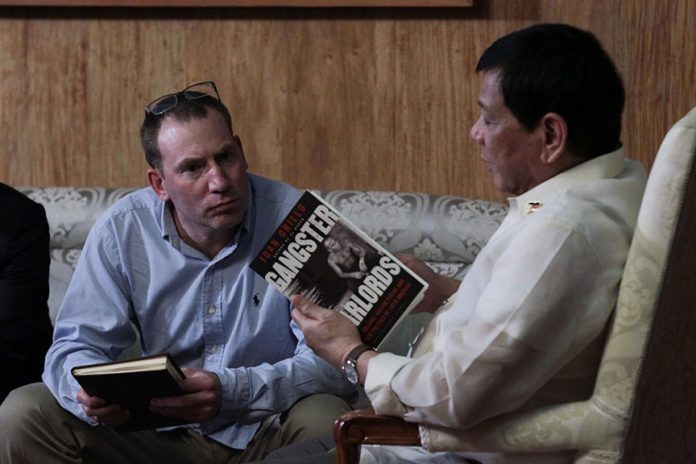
x=318 y=253
x=132 y=384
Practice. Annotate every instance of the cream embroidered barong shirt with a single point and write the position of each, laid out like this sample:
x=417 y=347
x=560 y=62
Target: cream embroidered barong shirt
x=525 y=326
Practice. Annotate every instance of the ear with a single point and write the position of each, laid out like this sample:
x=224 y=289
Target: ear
x=238 y=141
x=156 y=181
x=555 y=132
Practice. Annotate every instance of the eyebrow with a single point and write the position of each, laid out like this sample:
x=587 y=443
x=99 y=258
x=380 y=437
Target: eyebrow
x=229 y=147
x=186 y=162
x=226 y=148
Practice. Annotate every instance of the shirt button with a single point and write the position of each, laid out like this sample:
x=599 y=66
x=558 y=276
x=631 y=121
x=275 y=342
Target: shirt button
x=213 y=349
x=211 y=310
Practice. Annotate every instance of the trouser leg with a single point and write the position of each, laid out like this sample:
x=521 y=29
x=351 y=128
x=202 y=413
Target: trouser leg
x=36 y=429
x=319 y=450
x=311 y=417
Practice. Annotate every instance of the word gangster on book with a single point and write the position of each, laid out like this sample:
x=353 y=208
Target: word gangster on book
x=303 y=243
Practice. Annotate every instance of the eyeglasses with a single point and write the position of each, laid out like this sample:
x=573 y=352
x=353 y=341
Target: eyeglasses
x=193 y=92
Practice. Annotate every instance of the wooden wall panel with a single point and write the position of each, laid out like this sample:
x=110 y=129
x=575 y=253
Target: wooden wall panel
x=432 y=107
x=116 y=62
x=52 y=132
x=656 y=50
x=245 y=3
x=12 y=89
x=253 y=80
x=340 y=113
x=323 y=98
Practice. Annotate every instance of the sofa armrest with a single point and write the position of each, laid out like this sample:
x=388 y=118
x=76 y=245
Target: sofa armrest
x=364 y=427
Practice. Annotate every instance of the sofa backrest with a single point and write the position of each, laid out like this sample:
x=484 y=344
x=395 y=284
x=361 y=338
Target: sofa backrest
x=447 y=232
x=71 y=212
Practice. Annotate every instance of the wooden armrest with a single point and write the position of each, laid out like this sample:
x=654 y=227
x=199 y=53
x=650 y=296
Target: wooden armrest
x=363 y=427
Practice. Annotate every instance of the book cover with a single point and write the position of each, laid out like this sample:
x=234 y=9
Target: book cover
x=132 y=384
x=318 y=253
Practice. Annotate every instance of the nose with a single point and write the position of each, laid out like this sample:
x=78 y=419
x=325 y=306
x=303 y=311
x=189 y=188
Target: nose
x=475 y=132
x=218 y=180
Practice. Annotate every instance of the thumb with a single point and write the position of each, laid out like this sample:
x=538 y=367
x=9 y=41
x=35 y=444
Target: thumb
x=305 y=309
x=300 y=313
x=303 y=304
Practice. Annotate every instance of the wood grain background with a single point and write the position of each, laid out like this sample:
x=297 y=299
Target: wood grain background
x=365 y=98
x=246 y=3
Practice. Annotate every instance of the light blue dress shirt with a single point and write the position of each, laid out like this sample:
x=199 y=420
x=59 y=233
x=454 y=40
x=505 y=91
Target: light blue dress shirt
x=216 y=314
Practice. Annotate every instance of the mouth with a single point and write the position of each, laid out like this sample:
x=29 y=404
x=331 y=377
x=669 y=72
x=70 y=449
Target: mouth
x=224 y=205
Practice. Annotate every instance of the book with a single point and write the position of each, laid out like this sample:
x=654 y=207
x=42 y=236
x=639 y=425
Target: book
x=132 y=384
x=318 y=253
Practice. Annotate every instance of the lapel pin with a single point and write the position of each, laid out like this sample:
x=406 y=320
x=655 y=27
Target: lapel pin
x=532 y=207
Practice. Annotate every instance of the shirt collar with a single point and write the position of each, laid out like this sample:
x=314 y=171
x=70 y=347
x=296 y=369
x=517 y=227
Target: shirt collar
x=602 y=167
x=169 y=231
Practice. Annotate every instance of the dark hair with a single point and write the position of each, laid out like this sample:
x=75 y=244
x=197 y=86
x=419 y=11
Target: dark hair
x=561 y=69
x=185 y=110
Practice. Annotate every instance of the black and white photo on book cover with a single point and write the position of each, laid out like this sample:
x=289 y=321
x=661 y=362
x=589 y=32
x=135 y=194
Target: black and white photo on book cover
x=318 y=253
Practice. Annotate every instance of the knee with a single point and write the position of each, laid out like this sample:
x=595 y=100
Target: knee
x=312 y=417
x=16 y=405
x=22 y=407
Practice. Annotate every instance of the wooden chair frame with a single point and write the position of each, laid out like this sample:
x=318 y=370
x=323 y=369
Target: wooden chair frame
x=364 y=427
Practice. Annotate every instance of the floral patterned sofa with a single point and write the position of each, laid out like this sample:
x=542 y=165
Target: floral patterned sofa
x=445 y=231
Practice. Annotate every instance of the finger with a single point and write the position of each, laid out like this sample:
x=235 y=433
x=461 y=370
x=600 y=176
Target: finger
x=86 y=399
x=180 y=409
x=178 y=401
x=300 y=302
x=198 y=380
x=109 y=415
x=309 y=309
x=115 y=419
x=309 y=317
x=303 y=314
x=195 y=407
x=193 y=399
x=299 y=318
x=201 y=414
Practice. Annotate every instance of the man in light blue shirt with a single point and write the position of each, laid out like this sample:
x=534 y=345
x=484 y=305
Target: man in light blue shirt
x=172 y=260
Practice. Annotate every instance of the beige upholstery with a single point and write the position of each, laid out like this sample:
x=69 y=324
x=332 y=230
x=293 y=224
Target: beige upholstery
x=443 y=230
x=662 y=426
x=70 y=211
x=595 y=428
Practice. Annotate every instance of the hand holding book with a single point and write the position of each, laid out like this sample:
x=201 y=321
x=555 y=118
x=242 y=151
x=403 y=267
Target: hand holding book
x=102 y=411
x=145 y=393
x=329 y=333
x=200 y=403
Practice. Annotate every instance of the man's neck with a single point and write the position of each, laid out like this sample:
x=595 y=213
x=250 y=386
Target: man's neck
x=208 y=244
